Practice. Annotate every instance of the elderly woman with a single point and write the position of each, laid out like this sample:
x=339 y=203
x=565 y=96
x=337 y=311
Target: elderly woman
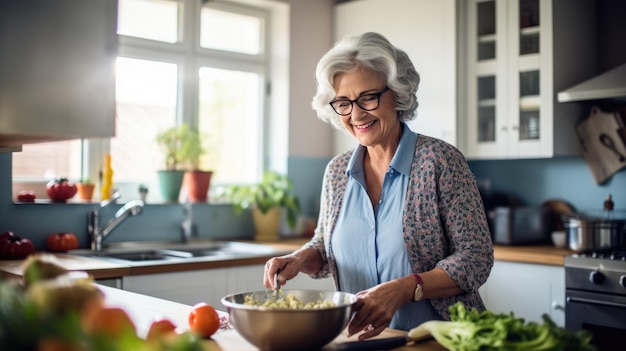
x=401 y=222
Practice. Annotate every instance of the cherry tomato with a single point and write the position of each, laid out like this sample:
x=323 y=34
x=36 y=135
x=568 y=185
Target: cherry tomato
x=15 y=247
x=61 y=242
x=60 y=190
x=204 y=320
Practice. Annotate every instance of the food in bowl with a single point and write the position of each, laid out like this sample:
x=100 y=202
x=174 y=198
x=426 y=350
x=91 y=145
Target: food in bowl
x=279 y=329
x=289 y=301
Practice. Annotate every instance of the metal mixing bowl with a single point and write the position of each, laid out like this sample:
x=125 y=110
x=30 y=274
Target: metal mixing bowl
x=290 y=329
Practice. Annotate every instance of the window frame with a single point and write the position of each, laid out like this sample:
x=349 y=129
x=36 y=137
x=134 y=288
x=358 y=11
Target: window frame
x=190 y=57
x=188 y=54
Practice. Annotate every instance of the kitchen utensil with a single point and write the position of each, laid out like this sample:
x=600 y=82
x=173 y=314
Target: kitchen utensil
x=590 y=232
x=416 y=334
x=276 y=286
x=290 y=329
x=597 y=230
x=522 y=225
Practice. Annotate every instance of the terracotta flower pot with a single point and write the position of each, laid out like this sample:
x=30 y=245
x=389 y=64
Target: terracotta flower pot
x=197 y=184
x=85 y=191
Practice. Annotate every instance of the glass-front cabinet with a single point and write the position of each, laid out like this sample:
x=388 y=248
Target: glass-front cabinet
x=515 y=67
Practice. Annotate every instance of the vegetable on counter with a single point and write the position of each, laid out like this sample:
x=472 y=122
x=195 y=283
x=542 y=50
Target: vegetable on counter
x=61 y=189
x=26 y=196
x=14 y=247
x=61 y=242
x=53 y=309
x=472 y=330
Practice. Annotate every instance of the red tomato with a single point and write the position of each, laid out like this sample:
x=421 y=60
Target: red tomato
x=59 y=190
x=61 y=242
x=204 y=320
x=15 y=247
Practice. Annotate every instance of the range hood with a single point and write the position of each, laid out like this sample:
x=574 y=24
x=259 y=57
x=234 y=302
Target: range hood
x=609 y=85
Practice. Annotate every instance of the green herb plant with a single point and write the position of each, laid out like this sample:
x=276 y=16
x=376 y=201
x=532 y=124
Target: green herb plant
x=274 y=190
x=183 y=147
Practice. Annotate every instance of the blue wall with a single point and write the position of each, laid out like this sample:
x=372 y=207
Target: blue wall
x=535 y=181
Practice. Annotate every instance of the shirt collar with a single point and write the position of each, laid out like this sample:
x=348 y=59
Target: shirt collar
x=401 y=161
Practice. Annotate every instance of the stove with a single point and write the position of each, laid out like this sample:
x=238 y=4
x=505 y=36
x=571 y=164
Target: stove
x=595 y=295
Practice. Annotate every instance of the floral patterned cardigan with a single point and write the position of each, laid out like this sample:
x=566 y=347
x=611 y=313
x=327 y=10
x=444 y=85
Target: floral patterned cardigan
x=444 y=222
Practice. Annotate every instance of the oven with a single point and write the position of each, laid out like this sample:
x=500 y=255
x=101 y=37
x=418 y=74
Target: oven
x=595 y=296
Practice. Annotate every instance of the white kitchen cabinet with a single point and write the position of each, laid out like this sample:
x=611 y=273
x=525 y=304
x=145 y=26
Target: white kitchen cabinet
x=57 y=70
x=426 y=31
x=520 y=53
x=210 y=285
x=527 y=290
x=188 y=287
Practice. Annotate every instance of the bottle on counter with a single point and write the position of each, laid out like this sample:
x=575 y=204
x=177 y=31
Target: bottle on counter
x=107 y=179
x=608 y=207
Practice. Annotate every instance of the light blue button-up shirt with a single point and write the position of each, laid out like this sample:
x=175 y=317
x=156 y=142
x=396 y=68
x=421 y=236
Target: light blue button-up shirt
x=368 y=242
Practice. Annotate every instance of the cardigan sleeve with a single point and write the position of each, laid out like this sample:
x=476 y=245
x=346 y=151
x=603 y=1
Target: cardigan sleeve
x=445 y=224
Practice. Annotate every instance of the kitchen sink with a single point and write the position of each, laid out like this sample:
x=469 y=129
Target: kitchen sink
x=226 y=248
x=150 y=255
x=142 y=253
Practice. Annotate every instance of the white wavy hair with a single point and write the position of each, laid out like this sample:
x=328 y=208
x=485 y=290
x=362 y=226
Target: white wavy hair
x=373 y=51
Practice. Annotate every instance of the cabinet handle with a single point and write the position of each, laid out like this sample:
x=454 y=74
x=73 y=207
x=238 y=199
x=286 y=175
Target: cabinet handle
x=515 y=127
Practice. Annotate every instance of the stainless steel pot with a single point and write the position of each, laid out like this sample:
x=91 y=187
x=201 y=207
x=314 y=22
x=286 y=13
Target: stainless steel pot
x=594 y=233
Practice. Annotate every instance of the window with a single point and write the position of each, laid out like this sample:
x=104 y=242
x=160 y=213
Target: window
x=192 y=61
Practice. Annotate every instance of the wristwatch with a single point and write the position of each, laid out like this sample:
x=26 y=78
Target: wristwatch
x=419 y=290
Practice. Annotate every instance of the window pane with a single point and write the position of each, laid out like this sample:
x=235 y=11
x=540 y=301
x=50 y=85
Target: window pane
x=48 y=160
x=228 y=31
x=146 y=104
x=148 y=19
x=230 y=119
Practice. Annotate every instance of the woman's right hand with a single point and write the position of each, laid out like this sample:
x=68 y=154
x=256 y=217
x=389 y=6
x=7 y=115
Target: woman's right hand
x=288 y=266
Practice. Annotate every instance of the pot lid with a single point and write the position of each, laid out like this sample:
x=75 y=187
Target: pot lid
x=604 y=215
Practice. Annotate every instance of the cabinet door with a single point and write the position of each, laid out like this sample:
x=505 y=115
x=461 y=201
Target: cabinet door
x=487 y=79
x=57 y=70
x=530 y=85
x=527 y=290
x=190 y=287
x=505 y=64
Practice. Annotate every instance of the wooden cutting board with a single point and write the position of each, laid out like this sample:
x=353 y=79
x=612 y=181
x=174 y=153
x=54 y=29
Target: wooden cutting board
x=603 y=140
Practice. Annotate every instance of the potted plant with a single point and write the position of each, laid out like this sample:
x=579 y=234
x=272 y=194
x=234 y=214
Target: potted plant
x=180 y=144
x=196 y=182
x=267 y=199
x=85 y=189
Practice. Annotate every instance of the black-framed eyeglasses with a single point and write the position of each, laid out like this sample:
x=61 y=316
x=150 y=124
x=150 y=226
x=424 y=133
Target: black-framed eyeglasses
x=367 y=102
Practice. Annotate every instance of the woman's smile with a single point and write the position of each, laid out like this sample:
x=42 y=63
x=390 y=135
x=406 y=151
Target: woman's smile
x=364 y=127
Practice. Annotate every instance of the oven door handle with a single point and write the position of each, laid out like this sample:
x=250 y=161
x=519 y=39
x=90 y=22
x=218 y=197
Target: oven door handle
x=596 y=302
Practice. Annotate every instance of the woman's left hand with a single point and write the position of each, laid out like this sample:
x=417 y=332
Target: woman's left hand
x=376 y=306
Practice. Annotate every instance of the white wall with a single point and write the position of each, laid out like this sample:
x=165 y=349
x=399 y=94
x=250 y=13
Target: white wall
x=426 y=30
x=311 y=36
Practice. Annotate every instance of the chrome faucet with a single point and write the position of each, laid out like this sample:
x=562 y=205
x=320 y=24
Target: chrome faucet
x=186 y=227
x=97 y=234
